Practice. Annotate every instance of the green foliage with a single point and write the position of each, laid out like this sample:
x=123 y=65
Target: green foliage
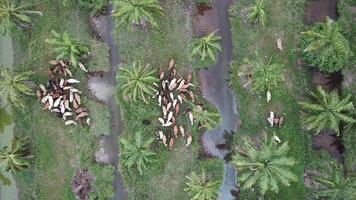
x=13 y=15
x=4 y=179
x=136 y=12
x=13 y=85
x=328 y=111
x=206 y=48
x=136 y=153
x=265 y=76
x=257 y=13
x=93 y=6
x=209 y=119
x=5 y=119
x=324 y=47
x=137 y=81
x=16 y=156
x=67 y=47
x=200 y=188
x=202 y=2
x=333 y=185
x=102 y=185
x=265 y=167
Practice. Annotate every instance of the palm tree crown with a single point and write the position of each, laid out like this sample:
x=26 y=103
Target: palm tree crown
x=205 y=118
x=16 y=156
x=257 y=13
x=265 y=167
x=15 y=84
x=136 y=153
x=136 y=12
x=12 y=15
x=206 y=47
x=137 y=82
x=325 y=47
x=327 y=112
x=200 y=188
x=333 y=185
x=68 y=48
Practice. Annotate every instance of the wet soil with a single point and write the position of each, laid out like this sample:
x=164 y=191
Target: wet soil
x=215 y=89
x=205 y=20
x=316 y=11
x=103 y=86
x=328 y=141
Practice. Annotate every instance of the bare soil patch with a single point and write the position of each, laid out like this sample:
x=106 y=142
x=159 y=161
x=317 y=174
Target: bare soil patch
x=205 y=21
x=316 y=11
x=327 y=81
x=328 y=141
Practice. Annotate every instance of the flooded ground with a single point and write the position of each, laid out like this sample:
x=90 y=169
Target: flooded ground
x=215 y=88
x=6 y=59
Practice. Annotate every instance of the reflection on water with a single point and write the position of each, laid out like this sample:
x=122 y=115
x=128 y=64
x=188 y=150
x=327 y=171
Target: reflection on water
x=6 y=60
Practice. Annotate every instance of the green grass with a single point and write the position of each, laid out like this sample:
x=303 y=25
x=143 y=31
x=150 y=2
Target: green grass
x=284 y=18
x=59 y=150
x=166 y=179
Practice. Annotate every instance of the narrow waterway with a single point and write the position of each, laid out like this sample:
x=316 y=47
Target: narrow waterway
x=103 y=85
x=215 y=88
x=7 y=60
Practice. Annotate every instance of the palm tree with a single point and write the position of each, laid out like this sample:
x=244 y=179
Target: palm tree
x=16 y=156
x=257 y=13
x=327 y=112
x=136 y=12
x=137 y=82
x=15 y=84
x=13 y=15
x=68 y=48
x=325 y=47
x=200 y=188
x=136 y=153
x=206 y=47
x=265 y=76
x=333 y=185
x=205 y=118
x=265 y=167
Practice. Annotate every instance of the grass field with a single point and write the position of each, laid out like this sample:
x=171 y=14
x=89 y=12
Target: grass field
x=165 y=180
x=284 y=19
x=59 y=151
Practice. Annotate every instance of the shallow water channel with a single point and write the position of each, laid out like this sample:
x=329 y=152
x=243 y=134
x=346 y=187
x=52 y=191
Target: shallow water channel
x=7 y=60
x=215 y=88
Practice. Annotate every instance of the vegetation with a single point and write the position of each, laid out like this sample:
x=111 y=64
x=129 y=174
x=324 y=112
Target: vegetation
x=137 y=81
x=265 y=76
x=332 y=184
x=5 y=119
x=324 y=47
x=257 y=13
x=136 y=153
x=203 y=2
x=209 y=119
x=200 y=188
x=265 y=167
x=136 y=12
x=4 y=179
x=68 y=48
x=206 y=48
x=93 y=6
x=328 y=111
x=13 y=85
x=16 y=156
x=13 y=15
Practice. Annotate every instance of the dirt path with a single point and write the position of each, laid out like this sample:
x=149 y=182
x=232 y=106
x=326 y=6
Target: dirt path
x=215 y=89
x=103 y=86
